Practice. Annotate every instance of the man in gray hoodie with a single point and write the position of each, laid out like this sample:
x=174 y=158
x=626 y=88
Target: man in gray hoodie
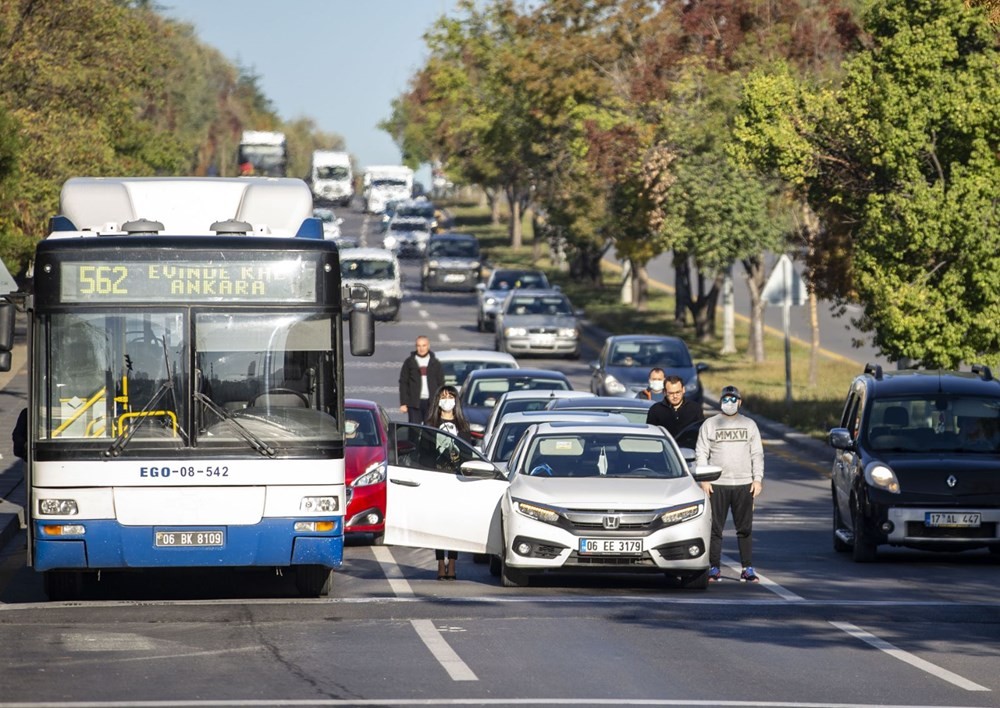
x=732 y=441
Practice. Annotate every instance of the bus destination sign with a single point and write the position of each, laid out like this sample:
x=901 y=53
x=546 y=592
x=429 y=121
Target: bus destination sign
x=286 y=280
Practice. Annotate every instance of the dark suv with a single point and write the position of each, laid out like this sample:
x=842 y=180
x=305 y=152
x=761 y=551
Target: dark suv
x=918 y=462
x=451 y=262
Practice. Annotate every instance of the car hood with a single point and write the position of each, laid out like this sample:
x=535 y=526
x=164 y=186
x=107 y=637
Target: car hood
x=975 y=476
x=639 y=375
x=620 y=493
x=539 y=321
x=357 y=459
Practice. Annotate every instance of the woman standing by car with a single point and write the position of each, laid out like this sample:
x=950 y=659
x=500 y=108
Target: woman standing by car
x=446 y=413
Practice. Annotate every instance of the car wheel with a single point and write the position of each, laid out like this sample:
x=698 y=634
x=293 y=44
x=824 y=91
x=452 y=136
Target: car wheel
x=500 y=347
x=378 y=539
x=697 y=580
x=511 y=577
x=313 y=580
x=839 y=545
x=425 y=286
x=864 y=547
x=495 y=566
x=480 y=326
x=480 y=558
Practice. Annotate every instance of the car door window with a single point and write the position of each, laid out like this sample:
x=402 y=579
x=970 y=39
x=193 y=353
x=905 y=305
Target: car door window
x=425 y=448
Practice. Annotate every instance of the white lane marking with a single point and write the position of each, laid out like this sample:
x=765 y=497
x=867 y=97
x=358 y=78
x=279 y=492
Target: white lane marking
x=431 y=325
x=442 y=651
x=424 y=313
x=444 y=337
x=907 y=657
x=766 y=582
x=392 y=571
x=622 y=701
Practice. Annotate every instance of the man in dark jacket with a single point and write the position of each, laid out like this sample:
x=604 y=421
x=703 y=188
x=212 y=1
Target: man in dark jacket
x=676 y=414
x=419 y=378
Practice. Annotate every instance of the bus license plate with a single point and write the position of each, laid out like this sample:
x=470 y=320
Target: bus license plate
x=952 y=519
x=612 y=546
x=183 y=539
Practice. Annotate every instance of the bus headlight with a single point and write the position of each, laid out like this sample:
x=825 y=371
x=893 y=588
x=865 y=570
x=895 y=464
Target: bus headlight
x=57 y=507
x=319 y=504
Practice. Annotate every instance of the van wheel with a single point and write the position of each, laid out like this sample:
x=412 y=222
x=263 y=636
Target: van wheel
x=838 y=524
x=864 y=547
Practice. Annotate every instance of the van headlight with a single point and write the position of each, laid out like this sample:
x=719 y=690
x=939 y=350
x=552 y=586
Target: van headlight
x=882 y=477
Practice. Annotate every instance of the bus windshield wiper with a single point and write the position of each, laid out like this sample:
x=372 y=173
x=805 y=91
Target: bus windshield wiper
x=125 y=435
x=255 y=442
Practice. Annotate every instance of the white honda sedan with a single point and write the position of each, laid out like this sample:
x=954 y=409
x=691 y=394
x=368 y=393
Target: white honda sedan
x=582 y=497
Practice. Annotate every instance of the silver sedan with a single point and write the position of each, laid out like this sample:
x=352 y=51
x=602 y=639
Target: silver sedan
x=538 y=322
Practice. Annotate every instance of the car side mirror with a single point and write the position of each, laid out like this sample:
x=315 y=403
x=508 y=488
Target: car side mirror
x=701 y=366
x=481 y=287
x=579 y=313
x=707 y=473
x=594 y=365
x=840 y=439
x=479 y=469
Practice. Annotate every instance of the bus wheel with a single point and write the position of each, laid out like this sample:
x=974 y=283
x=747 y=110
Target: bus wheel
x=63 y=584
x=313 y=580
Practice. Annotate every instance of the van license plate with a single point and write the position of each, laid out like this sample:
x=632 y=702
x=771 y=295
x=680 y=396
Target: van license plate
x=183 y=539
x=952 y=519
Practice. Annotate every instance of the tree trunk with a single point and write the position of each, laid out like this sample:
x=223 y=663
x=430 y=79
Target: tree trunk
x=640 y=287
x=728 y=314
x=756 y=278
x=810 y=229
x=514 y=227
x=703 y=307
x=682 y=288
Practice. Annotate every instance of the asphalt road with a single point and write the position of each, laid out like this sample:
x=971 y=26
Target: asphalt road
x=914 y=629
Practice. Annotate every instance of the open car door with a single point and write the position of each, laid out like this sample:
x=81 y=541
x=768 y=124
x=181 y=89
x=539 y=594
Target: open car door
x=434 y=499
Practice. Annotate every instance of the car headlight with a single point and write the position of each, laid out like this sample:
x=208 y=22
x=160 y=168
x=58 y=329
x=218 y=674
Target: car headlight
x=680 y=514
x=491 y=301
x=432 y=264
x=477 y=428
x=373 y=474
x=691 y=386
x=882 y=477
x=567 y=332
x=474 y=265
x=389 y=241
x=536 y=511
x=613 y=385
x=516 y=332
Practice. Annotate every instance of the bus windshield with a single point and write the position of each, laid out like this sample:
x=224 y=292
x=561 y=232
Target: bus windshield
x=128 y=376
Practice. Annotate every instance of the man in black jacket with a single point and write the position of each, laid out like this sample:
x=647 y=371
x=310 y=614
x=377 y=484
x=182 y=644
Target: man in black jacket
x=676 y=414
x=419 y=379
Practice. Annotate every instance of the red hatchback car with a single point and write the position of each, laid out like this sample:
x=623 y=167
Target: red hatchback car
x=365 y=424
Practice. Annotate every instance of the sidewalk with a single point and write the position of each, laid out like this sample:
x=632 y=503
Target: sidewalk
x=13 y=397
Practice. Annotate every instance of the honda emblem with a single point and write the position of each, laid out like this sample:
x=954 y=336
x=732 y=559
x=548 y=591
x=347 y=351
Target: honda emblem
x=612 y=522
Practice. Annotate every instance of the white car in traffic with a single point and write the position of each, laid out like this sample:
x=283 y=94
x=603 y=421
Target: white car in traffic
x=576 y=497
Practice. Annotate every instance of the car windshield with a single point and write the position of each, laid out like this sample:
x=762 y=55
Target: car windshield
x=936 y=423
x=409 y=226
x=371 y=269
x=453 y=249
x=485 y=392
x=333 y=172
x=425 y=211
x=359 y=428
x=601 y=454
x=539 y=305
x=508 y=279
x=455 y=372
x=664 y=355
x=508 y=437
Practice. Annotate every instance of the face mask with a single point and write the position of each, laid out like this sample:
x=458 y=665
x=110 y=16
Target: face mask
x=350 y=427
x=656 y=385
x=730 y=408
x=447 y=404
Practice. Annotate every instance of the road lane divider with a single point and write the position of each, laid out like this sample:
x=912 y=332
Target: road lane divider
x=457 y=669
x=908 y=658
x=393 y=573
x=766 y=582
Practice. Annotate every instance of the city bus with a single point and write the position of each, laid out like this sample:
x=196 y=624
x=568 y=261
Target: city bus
x=186 y=382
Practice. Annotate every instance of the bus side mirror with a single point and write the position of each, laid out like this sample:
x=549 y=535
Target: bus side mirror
x=362 y=330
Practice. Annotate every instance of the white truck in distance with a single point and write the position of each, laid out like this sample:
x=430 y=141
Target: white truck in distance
x=384 y=183
x=331 y=178
x=262 y=153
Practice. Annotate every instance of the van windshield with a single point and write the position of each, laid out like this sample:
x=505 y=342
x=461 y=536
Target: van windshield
x=454 y=249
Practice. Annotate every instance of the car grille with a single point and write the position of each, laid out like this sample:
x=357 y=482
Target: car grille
x=543 y=330
x=594 y=520
x=643 y=561
x=916 y=529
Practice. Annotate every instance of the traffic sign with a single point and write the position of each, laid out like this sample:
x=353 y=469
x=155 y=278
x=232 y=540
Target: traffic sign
x=785 y=284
